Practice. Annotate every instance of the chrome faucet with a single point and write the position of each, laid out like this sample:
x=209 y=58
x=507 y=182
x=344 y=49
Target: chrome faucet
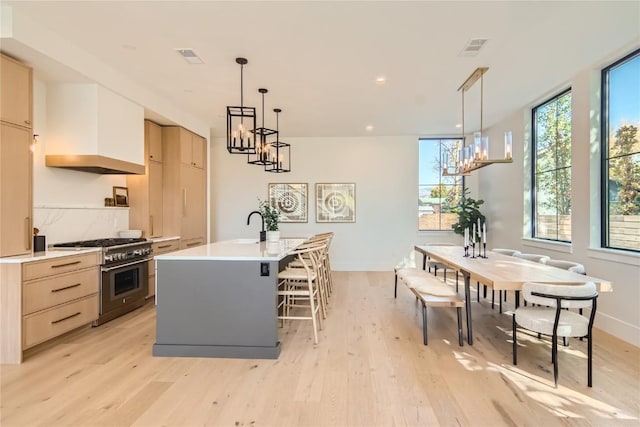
x=263 y=234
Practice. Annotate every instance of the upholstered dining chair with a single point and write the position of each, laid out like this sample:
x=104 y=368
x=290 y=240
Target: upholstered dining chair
x=566 y=265
x=533 y=257
x=549 y=318
x=503 y=251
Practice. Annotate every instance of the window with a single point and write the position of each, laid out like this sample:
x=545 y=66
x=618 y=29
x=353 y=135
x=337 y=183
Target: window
x=552 y=169
x=621 y=154
x=437 y=194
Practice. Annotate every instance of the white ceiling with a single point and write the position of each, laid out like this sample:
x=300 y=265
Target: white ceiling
x=320 y=59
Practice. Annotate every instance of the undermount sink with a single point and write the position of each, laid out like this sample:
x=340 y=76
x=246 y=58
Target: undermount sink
x=245 y=241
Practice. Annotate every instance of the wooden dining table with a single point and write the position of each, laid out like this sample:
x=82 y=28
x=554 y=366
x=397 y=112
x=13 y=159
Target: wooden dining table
x=501 y=272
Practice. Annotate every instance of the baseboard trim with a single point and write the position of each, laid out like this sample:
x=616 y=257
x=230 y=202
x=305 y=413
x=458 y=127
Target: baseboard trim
x=618 y=328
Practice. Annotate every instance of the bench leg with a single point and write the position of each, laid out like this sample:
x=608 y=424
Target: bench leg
x=478 y=289
x=424 y=324
x=460 y=338
x=484 y=291
x=395 y=288
x=493 y=298
x=500 y=298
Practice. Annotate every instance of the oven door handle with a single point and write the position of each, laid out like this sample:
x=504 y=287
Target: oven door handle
x=140 y=261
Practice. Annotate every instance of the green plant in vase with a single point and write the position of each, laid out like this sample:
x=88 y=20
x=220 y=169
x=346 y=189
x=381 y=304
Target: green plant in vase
x=468 y=211
x=271 y=216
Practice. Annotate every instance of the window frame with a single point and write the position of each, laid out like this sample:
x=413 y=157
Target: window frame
x=604 y=154
x=534 y=164
x=462 y=182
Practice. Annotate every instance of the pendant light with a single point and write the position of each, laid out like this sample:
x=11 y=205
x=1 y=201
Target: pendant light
x=261 y=155
x=280 y=151
x=241 y=123
x=476 y=156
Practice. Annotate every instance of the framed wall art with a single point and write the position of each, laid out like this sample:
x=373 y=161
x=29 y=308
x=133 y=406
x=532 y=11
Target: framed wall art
x=291 y=200
x=121 y=196
x=335 y=202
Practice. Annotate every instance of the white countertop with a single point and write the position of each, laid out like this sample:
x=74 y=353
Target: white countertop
x=48 y=254
x=236 y=250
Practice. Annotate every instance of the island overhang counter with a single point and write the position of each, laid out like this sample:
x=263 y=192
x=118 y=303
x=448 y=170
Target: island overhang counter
x=220 y=299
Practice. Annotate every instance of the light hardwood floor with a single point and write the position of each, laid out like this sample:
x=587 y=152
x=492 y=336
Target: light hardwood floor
x=370 y=368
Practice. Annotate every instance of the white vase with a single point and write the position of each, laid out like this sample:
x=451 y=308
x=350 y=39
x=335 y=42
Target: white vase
x=273 y=236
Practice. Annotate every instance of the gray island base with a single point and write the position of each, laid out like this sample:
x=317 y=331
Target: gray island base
x=219 y=300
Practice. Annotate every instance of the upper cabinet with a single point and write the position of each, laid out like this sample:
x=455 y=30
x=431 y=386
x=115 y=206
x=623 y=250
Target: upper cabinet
x=16 y=105
x=153 y=139
x=192 y=149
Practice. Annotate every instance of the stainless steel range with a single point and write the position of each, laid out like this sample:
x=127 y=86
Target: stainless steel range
x=124 y=279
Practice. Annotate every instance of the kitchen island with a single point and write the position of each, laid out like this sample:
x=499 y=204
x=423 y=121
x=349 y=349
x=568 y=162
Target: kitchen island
x=219 y=300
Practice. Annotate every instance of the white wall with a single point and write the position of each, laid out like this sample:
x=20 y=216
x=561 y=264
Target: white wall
x=505 y=189
x=385 y=171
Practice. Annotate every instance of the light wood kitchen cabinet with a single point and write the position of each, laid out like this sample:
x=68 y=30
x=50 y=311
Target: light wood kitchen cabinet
x=16 y=199
x=159 y=248
x=45 y=298
x=16 y=93
x=145 y=191
x=153 y=137
x=184 y=185
x=193 y=153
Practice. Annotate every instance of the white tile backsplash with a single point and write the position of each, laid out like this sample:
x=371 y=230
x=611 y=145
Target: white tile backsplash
x=67 y=224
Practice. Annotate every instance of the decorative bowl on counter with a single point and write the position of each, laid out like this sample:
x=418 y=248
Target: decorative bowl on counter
x=130 y=234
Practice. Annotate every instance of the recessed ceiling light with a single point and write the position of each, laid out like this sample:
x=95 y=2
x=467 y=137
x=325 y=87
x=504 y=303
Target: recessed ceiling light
x=189 y=55
x=369 y=128
x=381 y=80
x=458 y=125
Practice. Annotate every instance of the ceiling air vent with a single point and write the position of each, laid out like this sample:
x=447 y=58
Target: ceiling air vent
x=190 y=56
x=472 y=47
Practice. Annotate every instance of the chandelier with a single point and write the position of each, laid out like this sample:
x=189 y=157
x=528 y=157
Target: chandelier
x=474 y=156
x=261 y=156
x=241 y=123
x=280 y=151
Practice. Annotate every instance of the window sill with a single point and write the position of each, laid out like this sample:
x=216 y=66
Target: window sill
x=563 y=247
x=623 y=257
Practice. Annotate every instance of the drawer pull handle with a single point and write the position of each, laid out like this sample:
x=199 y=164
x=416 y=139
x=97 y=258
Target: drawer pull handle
x=66 y=265
x=66 y=318
x=164 y=246
x=193 y=244
x=65 y=288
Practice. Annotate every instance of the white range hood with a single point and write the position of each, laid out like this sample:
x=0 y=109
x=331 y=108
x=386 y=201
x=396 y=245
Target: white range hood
x=92 y=129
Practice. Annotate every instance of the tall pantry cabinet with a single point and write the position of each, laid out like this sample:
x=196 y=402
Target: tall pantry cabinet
x=16 y=158
x=184 y=190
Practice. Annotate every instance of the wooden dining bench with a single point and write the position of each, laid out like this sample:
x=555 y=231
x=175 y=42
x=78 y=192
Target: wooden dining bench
x=431 y=292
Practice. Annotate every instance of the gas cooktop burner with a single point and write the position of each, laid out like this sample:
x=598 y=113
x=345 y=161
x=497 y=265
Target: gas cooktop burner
x=104 y=243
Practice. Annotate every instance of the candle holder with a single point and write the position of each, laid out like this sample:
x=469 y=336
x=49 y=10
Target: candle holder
x=484 y=251
x=466 y=251
x=473 y=250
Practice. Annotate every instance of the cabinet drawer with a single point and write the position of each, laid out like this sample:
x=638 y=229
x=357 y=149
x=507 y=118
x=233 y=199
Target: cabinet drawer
x=167 y=246
x=36 y=270
x=186 y=244
x=47 y=324
x=45 y=293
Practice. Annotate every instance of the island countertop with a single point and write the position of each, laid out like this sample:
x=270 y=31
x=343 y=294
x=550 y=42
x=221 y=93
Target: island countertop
x=236 y=250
